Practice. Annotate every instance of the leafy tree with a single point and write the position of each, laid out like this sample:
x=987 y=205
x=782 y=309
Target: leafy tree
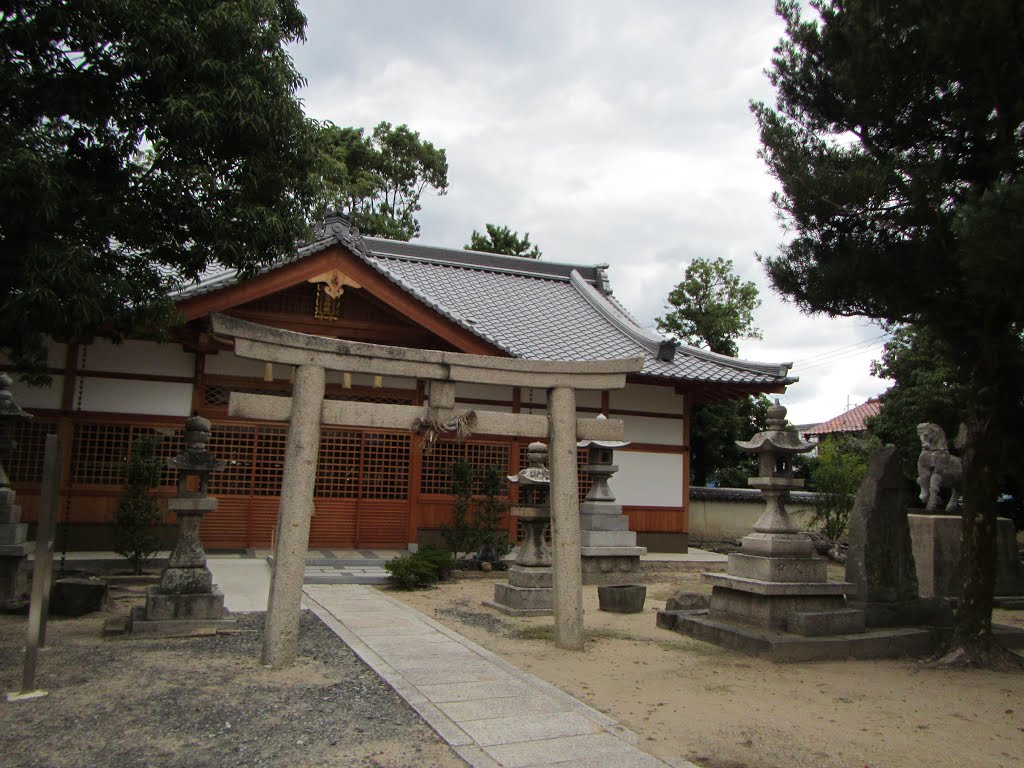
x=502 y=240
x=840 y=469
x=926 y=389
x=139 y=139
x=137 y=517
x=379 y=179
x=713 y=308
x=896 y=138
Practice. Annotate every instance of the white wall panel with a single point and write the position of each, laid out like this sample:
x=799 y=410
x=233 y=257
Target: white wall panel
x=228 y=364
x=648 y=479
x=646 y=429
x=483 y=392
x=146 y=397
x=646 y=397
x=38 y=397
x=138 y=357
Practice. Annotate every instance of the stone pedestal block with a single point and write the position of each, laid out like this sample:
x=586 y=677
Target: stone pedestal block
x=603 y=522
x=785 y=569
x=599 y=568
x=768 y=611
x=13 y=533
x=520 y=601
x=823 y=624
x=528 y=592
x=161 y=606
x=14 y=576
x=620 y=538
x=189 y=581
x=10 y=512
x=77 y=596
x=936 y=544
x=778 y=545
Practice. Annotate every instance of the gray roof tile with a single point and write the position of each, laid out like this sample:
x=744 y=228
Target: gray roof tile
x=537 y=310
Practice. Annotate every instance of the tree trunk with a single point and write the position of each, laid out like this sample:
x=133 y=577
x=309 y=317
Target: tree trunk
x=972 y=643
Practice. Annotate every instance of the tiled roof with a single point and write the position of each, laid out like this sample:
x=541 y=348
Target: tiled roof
x=539 y=310
x=851 y=421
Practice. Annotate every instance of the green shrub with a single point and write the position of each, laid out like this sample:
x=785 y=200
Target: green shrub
x=492 y=538
x=137 y=517
x=461 y=535
x=440 y=559
x=421 y=569
x=409 y=572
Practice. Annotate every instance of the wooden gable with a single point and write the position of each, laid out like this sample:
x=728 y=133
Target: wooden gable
x=378 y=311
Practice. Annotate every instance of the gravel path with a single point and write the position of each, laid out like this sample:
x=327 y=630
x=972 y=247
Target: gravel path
x=204 y=702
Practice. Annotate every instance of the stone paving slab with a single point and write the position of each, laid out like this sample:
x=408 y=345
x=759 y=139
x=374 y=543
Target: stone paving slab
x=490 y=712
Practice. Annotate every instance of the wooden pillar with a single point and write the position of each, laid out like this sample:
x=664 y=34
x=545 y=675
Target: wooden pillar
x=281 y=637
x=684 y=524
x=565 y=519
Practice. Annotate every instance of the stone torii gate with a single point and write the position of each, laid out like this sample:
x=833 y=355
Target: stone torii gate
x=306 y=410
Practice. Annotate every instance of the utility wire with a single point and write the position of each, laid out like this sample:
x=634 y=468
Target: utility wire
x=831 y=352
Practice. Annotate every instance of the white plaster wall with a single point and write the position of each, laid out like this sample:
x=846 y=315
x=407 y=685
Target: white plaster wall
x=648 y=479
x=397 y=382
x=228 y=364
x=157 y=398
x=538 y=398
x=646 y=429
x=38 y=397
x=588 y=398
x=715 y=520
x=56 y=354
x=137 y=357
x=646 y=397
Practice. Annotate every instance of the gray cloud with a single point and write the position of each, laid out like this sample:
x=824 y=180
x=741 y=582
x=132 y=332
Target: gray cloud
x=610 y=133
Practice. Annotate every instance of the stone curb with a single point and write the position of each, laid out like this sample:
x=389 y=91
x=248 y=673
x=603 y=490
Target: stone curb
x=447 y=728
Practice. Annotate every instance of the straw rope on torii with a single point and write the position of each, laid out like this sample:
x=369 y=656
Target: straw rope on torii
x=306 y=410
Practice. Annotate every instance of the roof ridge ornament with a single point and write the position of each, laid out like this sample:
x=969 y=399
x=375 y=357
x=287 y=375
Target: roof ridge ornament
x=339 y=227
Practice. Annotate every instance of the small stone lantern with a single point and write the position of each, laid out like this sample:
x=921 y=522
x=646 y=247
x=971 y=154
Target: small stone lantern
x=534 y=507
x=775 y=449
x=13 y=532
x=529 y=588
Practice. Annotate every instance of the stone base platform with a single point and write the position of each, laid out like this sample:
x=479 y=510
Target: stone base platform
x=528 y=592
x=925 y=611
x=606 y=565
x=175 y=627
x=785 y=647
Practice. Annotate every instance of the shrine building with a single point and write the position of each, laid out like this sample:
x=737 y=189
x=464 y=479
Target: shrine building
x=374 y=488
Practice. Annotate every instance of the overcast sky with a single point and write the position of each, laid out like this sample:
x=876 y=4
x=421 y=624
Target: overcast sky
x=611 y=132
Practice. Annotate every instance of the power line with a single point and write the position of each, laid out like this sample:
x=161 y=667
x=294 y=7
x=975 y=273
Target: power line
x=829 y=353
x=855 y=353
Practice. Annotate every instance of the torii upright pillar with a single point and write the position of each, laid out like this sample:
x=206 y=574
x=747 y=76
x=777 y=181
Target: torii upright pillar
x=565 y=519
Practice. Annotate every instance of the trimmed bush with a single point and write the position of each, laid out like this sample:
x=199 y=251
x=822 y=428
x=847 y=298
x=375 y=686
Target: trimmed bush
x=421 y=569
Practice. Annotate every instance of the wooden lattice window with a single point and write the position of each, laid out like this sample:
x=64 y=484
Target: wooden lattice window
x=385 y=398
x=339 y=464
x=235 y=446
x=434 y=478
x=385 y=472
x=268 y=465
x=99 y=451
x=25 y=464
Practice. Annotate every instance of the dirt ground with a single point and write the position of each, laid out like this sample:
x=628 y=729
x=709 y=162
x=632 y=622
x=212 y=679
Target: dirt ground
x=719 y=709
x=203 y=703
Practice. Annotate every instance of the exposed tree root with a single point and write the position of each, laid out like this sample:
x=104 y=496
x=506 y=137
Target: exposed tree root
x=981 y=653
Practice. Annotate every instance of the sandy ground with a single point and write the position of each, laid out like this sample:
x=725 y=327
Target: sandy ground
x=204 y=703
x=685 y=698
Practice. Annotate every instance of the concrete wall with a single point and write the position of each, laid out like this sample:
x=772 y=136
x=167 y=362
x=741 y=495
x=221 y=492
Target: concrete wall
x=728 y=514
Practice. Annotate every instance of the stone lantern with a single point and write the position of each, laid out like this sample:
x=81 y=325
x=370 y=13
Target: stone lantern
x=608 y=547
x=529 y=588
x=774 y=531
x=775 y=584
x=13 y=532
x=187 y=599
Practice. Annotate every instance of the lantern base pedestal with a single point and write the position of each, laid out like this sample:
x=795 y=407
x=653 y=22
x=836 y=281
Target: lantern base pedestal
x=528 y=592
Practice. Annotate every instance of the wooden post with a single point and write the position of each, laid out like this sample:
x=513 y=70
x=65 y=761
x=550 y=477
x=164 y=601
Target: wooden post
x=281 y=636
x=42 y=568
x=565 y=519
